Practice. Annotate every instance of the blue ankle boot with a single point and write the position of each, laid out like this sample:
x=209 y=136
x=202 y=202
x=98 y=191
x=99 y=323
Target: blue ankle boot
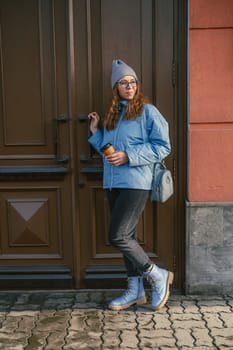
x=134 y=294
x=160 y=281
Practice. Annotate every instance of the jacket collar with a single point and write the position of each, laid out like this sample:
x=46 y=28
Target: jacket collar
x=122 y=104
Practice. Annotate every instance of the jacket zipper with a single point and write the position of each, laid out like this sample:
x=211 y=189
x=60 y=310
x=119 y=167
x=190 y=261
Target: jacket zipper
x=114 y=142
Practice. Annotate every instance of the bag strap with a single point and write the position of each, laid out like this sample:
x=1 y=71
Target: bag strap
x=143 y=127
x=145 y=138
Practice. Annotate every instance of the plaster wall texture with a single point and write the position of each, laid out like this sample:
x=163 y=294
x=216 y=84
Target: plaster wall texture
x=211 y=102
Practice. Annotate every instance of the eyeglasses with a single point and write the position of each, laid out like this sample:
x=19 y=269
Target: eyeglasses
x=126 y=83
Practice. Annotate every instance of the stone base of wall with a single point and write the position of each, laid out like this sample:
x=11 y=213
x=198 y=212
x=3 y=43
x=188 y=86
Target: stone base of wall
x=209 y=248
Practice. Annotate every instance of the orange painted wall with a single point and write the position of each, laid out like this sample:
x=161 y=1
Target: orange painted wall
x=211 y=101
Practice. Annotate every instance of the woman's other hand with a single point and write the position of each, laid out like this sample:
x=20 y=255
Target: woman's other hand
x=94 y=121
x=118 y=158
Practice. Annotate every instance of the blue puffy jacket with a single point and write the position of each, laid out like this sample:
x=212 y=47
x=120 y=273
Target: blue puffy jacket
x=144 y=139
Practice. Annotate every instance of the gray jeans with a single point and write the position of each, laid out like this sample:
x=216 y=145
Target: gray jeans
x=126 y=205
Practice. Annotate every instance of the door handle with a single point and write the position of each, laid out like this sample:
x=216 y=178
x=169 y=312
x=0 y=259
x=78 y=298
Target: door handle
x=62 y=118
x=82 y=118
x=84 y=158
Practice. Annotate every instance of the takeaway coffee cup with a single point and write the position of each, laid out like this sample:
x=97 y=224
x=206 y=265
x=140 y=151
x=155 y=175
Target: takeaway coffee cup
x=107 y=149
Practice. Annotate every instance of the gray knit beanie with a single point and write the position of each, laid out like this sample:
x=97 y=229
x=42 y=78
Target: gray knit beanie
x=119 y=69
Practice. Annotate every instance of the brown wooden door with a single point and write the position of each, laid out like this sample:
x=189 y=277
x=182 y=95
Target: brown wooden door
x=36 y=229
x=141 y=34
x=55 y=68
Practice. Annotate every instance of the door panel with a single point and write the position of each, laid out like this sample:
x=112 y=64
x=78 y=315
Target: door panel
x=35 y=192
x=138 y=37
x=27 y=75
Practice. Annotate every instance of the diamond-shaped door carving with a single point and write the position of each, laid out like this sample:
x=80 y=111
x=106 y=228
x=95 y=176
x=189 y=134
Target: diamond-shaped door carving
x=28 y=222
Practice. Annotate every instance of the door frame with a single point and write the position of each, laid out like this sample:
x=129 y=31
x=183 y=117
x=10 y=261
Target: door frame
x=180 y=71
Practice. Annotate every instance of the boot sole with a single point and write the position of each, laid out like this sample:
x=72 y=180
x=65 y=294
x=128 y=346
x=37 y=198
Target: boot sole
x=125 y=306
x=170 y=279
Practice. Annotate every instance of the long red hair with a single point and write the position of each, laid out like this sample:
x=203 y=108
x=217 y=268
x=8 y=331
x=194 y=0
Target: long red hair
x=133 y=109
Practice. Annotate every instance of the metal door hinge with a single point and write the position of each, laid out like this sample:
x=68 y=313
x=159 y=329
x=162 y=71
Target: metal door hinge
x=174 y=263
x=63 y=159
x=62 y=118
x=174 y=73
x=174 y=170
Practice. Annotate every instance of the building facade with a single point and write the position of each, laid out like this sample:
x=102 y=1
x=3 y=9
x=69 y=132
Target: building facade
x=55 y=64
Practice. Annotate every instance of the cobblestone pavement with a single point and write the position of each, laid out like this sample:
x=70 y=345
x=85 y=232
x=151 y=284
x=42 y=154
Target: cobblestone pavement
x=72 y=320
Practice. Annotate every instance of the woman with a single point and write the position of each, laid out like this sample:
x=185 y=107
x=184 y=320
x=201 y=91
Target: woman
x=139 y=135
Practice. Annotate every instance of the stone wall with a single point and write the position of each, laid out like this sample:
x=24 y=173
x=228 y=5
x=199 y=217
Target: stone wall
x=209 y=247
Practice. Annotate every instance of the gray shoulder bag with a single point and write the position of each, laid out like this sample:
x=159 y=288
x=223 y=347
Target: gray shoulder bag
x=162 y=182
